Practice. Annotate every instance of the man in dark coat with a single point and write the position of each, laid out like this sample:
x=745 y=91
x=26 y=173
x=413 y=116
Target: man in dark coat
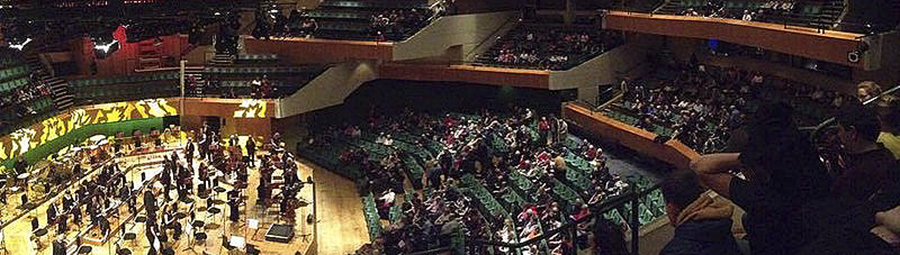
x=251 y=151
x=59 y=247
x=702 y=223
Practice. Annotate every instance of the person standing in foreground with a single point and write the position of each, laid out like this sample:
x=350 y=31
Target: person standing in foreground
x=783 y=175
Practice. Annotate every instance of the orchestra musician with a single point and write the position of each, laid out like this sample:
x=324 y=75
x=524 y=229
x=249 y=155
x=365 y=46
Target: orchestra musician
x=251 y=151
x=234 y=201
x=189 y=152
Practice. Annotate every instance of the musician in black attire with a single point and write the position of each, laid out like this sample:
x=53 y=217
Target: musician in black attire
x=51 y=213
x=251 y=151
x=263 y=190
x=62 y=224
x=203 y=144
x=59 y=246
x=150 y=205
x=234 y=197
x=189 y=152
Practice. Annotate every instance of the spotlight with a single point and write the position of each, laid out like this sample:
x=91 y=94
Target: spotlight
x=104 y=46
x=19 y=45
x=107 y=47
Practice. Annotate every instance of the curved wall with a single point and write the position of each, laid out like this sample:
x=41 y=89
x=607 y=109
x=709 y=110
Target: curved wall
x=71 y=126
x=642 y=141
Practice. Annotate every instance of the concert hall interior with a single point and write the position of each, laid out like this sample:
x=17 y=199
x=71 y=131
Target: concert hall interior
x=563 y=127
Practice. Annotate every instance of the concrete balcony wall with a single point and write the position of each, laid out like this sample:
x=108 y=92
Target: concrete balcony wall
x=328 y=89
x=467 y=30
x=599 y=70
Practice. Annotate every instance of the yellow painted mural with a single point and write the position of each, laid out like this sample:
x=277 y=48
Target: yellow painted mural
x=251 y=108
x=25 y=139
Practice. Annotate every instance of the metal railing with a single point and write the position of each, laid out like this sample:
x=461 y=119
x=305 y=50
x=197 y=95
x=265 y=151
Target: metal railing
x=617 y=203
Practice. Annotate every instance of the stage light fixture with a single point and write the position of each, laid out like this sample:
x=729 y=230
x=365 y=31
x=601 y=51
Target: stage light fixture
x=19 y=45
x=107 y=47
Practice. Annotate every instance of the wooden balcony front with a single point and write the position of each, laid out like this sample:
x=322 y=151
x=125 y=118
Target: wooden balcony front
x=830 y=46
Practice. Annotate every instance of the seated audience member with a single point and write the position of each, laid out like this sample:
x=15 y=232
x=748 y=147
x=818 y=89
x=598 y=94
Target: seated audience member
x=702 y=223
x=783 y=174
x=868 y=164
x=867 y=90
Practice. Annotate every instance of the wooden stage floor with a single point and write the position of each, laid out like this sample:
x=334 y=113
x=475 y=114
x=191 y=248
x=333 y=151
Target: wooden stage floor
x=340 y=226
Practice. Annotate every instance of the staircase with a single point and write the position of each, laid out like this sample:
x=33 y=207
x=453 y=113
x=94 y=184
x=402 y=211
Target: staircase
x=671 y=7
x=59 y=88
x=150 y=54
x=197 y=73
x=222 y=60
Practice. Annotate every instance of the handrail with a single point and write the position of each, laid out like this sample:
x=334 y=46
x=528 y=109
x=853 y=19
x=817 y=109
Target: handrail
x=493 y=35
x=818 y=128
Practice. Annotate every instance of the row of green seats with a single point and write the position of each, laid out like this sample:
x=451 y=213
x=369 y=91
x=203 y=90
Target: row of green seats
x=8 y=59
x=126 y=79
x=328 y=14
x=578 y=178
x=624 y=118
x=650 y=207
x=344 y=26
x=693 y=3
x=374 y=4
x=484 y=197
x=256 y=57
x=373 y=220
x=127 y=92
x=258 y=70
x=565 y=192
x=752 y=5
x=42 y=104
x=13 y=84
x=13 y=72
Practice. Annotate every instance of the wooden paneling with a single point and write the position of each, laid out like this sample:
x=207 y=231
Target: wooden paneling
x=672 y=152
x=831 y=46
x=469 y=74
x=228 y=107
x=306 y=51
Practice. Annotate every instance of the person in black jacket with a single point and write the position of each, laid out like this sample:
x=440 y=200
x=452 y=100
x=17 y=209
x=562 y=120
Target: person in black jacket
x=59 y=246
x=702 y=223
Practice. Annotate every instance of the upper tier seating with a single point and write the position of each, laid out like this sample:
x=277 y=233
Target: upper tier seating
x=238 y=81
x=24 y=99
x=364 y=20
x=553 y=47
x=806 y=13
x=865 y=16
x=126 y=87
x=701 y=108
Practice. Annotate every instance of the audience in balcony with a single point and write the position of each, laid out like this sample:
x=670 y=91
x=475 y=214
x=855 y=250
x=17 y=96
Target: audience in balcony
x=703 y=105
x=397 y=23
x=701 y=108
x=551 y=48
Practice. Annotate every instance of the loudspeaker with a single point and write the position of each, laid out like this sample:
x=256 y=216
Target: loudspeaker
x=854 y=56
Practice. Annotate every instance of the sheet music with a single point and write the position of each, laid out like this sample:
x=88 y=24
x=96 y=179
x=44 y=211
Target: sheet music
x=237 y=241
x=252 y=224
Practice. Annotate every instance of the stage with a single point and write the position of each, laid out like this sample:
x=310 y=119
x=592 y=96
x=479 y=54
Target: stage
x=252 y=227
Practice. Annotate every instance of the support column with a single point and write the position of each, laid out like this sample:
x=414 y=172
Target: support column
x=569 y=16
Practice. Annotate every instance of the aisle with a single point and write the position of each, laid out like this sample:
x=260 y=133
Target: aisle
x=342 y=226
